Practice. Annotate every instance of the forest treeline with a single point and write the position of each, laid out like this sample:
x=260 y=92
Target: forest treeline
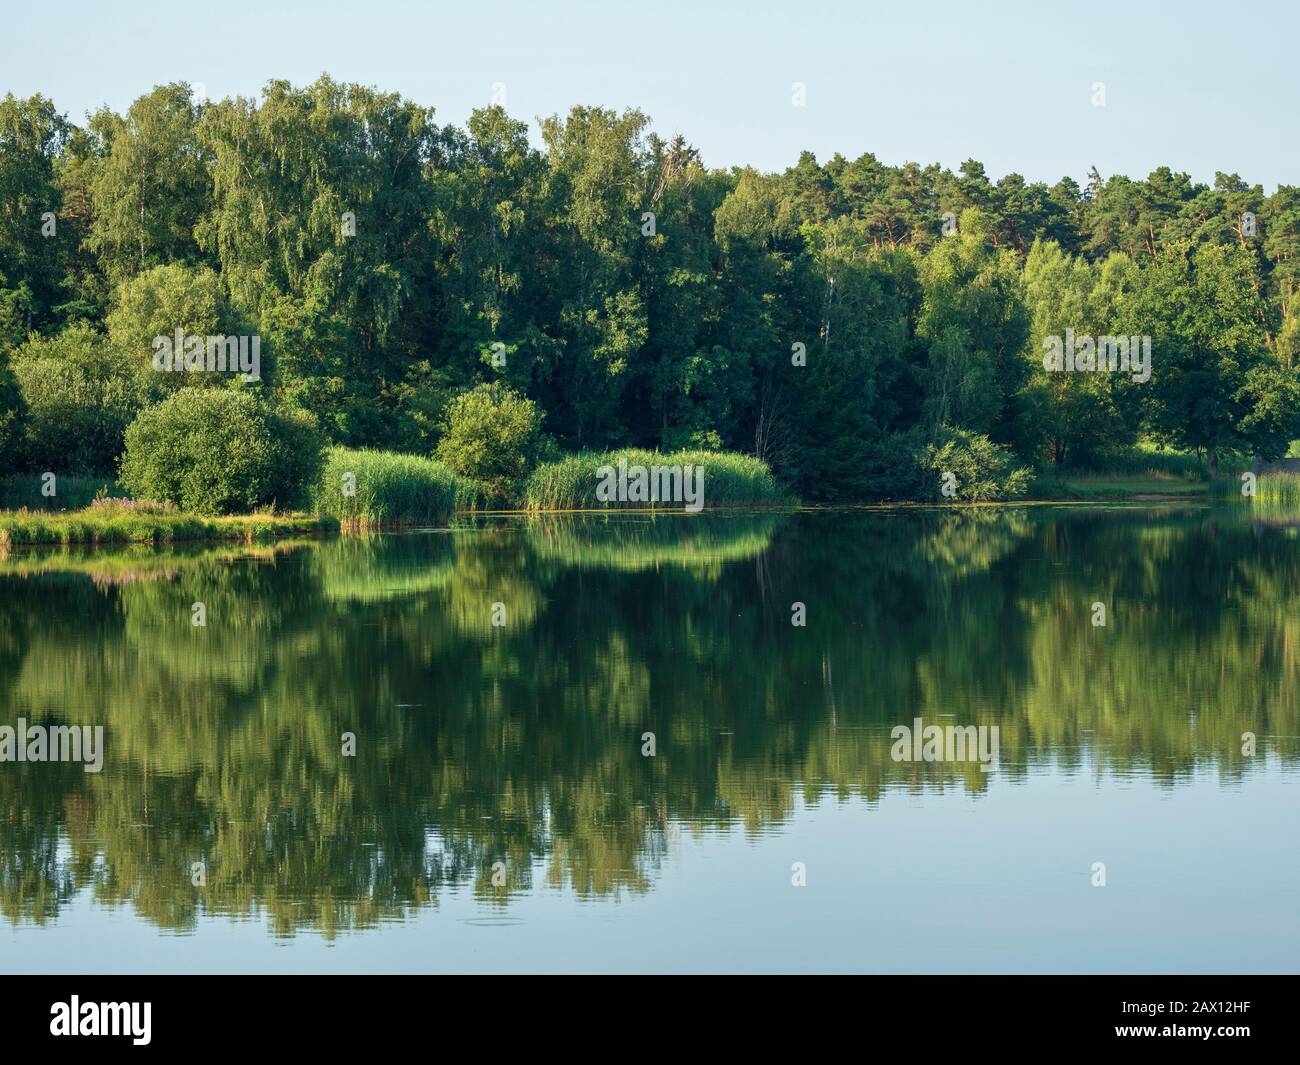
x=852 y=323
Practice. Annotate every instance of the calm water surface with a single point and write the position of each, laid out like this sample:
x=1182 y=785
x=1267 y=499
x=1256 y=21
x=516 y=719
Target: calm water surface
x=499 y=814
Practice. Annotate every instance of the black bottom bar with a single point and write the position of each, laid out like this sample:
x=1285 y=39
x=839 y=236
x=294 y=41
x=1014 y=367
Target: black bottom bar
x=1231 y=1015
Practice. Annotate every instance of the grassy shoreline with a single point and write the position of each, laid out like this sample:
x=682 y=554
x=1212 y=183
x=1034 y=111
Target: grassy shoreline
x=394 y=506
x=1118 y=486
x=25 y=528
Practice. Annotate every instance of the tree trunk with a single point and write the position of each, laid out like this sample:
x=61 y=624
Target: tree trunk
x=1212 y=461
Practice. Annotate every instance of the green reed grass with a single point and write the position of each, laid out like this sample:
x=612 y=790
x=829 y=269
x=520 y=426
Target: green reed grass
x=730 y=480
x=391 y=489
x=1278 y=490
x=1277 y=495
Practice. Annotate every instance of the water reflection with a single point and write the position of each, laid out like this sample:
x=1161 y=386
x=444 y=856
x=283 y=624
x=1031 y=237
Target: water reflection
x=522 y=743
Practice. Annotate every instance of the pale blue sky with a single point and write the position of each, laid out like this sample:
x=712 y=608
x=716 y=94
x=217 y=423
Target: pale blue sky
x=1199 y=86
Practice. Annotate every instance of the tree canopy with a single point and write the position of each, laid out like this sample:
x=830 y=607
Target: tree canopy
x=833 y=319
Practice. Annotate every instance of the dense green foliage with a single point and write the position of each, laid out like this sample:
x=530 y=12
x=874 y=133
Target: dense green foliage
x=80 y=399
x=370 y=489
x=157 y=303
x=12 y=416
x=833 y=320
x=221 y=452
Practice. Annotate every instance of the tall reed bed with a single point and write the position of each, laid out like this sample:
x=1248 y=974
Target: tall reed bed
x=366 y=489
x=1276 y=496
x=730 y=480
x=1279 y=490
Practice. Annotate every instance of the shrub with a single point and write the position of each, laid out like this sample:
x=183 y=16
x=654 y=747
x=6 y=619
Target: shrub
x=730 y=480
x=221 y=451
x=983 y=471
x=80 y=398
x=367 y=489
x=492 y=435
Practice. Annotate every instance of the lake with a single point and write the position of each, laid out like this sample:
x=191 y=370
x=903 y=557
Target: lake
x=664 y=743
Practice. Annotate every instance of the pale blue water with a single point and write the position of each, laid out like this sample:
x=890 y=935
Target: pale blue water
x=1119 y=745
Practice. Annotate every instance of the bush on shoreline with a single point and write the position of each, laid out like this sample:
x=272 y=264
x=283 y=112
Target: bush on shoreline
x=221 y=451
x=982 y=471
x=493 y=436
